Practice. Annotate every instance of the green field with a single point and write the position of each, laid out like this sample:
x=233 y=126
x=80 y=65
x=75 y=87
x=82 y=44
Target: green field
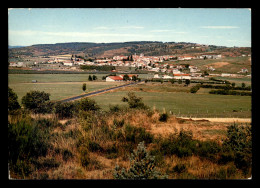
x=185 y=104
x=173 y=98
x=234 y=64
x=60 y=86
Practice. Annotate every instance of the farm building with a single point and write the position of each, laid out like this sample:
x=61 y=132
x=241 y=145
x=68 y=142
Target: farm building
x=114 y=79
x=167 y=77
x=130 y=76
x=181 y=76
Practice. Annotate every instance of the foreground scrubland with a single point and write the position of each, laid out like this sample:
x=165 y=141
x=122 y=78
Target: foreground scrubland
x=79 y=140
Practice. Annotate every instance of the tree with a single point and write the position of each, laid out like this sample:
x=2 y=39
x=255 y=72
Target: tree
x=37 y=101
x=233 y=84
x=12 y=100
x=94 y=77
x=84 y=87
x=134 y=101
x=142 y=166
x=172 y=81
x=90 y=78
x=187 y=82
x=243 y=85
x=126 y=77
x=134 y=78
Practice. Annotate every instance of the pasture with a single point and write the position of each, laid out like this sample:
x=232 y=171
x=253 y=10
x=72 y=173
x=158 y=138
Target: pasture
x=60 y=86
x=173 y=98
x=182 y=103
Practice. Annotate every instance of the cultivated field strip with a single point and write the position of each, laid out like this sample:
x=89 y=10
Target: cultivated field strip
x=95 y=93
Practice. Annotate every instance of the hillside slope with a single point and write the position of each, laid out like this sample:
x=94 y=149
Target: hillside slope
x=149 y=48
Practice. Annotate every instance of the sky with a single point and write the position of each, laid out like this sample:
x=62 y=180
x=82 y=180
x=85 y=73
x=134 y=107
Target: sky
x=221 y=27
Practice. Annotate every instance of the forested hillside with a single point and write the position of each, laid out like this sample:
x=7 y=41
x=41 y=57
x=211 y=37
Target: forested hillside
x=149 y=48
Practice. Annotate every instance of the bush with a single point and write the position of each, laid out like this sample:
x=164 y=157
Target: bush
x=87 y=104
x=142 y=166
x=65 y=110
x=208 y=149
x=12 y=101
x=137 y=134
x=181 y=145
x=195 y=88
x=26 y=140
x=163 y=117
x=84 y=156
x=134 y=101
x=36 y=101
x=180 y=168
x=239 y=141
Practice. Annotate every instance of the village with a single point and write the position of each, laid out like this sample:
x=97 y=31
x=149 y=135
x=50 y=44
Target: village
x=162 y=67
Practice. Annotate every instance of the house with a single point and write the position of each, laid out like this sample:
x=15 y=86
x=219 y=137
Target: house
x=181 y=76
x=114 y=79
x=167 y=77
x=225 y=75
x=129 y=75
x=68 y=63
x=244 y=70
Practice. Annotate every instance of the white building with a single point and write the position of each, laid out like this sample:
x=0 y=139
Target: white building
x=68 y=64
x=167 y=77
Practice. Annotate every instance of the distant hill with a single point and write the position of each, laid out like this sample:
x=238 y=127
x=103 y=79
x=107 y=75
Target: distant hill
x=149 y=48
x=15 y=46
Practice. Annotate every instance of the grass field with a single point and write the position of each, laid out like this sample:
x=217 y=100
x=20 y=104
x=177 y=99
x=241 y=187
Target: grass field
x=175 y=98
x=60 y=86
x=186 y=104
x=227 y=65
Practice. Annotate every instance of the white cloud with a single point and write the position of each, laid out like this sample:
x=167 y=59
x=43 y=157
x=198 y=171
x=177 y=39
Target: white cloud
x=160 y=30
x=69 y=34
x=219 y=27
x=131 y=27
x=101 y=28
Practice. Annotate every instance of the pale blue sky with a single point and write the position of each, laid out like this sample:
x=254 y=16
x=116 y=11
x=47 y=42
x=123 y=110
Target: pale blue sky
x=225 y=27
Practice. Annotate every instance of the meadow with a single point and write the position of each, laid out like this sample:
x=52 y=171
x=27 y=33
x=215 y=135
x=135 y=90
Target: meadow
x=90 y=144
x=172 y=98
x=177 y=100
x=60 y=86
x=223 y=65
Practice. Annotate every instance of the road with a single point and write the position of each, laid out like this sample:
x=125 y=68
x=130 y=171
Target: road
x=225 y=120
x=96 y=92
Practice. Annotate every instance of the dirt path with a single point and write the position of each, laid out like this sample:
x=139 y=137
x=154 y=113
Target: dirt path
x=225 y=120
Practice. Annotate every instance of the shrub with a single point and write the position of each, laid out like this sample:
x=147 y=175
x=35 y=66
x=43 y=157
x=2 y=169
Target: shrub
x=163 y=117
x=12 y=101
x=134 y=101
x=181 y=145
x=208 y=149
x=142 y=166
x=195 y=88
x=65 y=110
x=36 y=101
x=118 y=123
x=66 y=154
x=114 y=108
x=84 y=156
x=87 y=104
x=239 y=141
x=137 y=134
x=180 y=168
x=26 y=140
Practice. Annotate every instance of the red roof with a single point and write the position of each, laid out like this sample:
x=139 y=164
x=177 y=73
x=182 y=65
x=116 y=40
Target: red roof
x=181 y=74
x=116 y=77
